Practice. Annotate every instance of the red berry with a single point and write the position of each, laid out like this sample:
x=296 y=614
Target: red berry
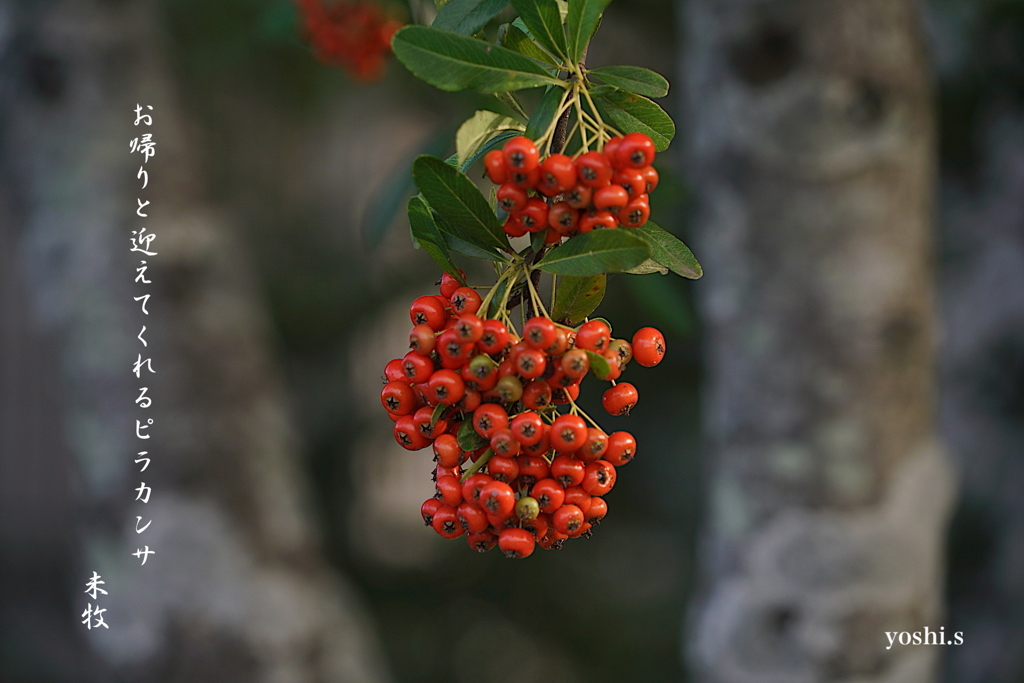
x=446 y=387
x=595 y=446
x=568 y=432
x=447 y=451
x=599 y=478
x=504 y=444
x=516 y=543
x=471 y=518
x=594 y=169
x=422 y=340
x=521 y=154
x=466 y=300
x=542 y=446
x=611 y=197
x=449 y=284
x=399 y=398
x=470 y=401
x=534 y=215
x=598 y=509
x=531 y=363
x=636 y=212
x=575 y=364
x=549 y=495
x=513 y=228
x=469 y=328
x=575 y=495
x=497 y=498
x=428 y=509
x=562 y=395
x=610 y=147
x=538 y=526
x=557 y=174
x=614 y=366
x=621 y=448
x=567 y=519
x=488 y=419
x=593 y=336
x=620 y=399
x=452 y=350
x=532 y=468
x=594 y=220
x=567 y=471
x=632 y=179
x=428 y=310
x=430 y=430
x=650 y=177
x=394 y=371
x=446 y=522
x=511 y=198
x=482 y=542
x=503 y=469
x=537 y=395
x=494 y=163
x=635 y=151
x=539 y=332
x=560 y=344
x=471 y=487
x=449 y=490
x=579 y=196
x=648 y=346
x=527 y=428
x=494 y=337
x=525 y=179
x=407 y=434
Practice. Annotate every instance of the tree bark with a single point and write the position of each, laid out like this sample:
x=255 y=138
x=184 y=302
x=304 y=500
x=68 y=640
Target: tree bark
x=812 y=151
x=238 y=589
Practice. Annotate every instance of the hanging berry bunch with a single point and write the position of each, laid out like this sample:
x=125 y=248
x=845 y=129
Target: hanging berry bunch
x=518 y=464
x=356 y=35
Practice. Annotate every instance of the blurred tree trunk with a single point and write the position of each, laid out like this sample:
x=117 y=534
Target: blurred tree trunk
x=238 y=589
x=812 y=152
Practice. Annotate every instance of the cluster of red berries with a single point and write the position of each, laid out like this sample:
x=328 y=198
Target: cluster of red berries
x=511 y=470
x=595 y=190
x=356 y=35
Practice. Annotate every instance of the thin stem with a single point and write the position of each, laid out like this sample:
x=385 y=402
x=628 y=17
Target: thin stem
x=576 y=409
x=477 y=465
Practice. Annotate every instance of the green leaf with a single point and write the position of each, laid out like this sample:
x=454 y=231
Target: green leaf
x=510 y=100
x=647 y=267
x=493 y=143
x=425 y=233
x=599 y=365
x=461 y=246
x=515 y=39
x=577 y=297
x=545 y=23
x=635 y=114
x=438 y=412
x=458 y=201
x=581 y=22
x=467 y=16
x=669 y=251
x=494 y=305
x=593 y=253
x=477 y=129
x=537 y=240
x=467 y=437
x=452 y=62
x=545 y=111
x=634 y=79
